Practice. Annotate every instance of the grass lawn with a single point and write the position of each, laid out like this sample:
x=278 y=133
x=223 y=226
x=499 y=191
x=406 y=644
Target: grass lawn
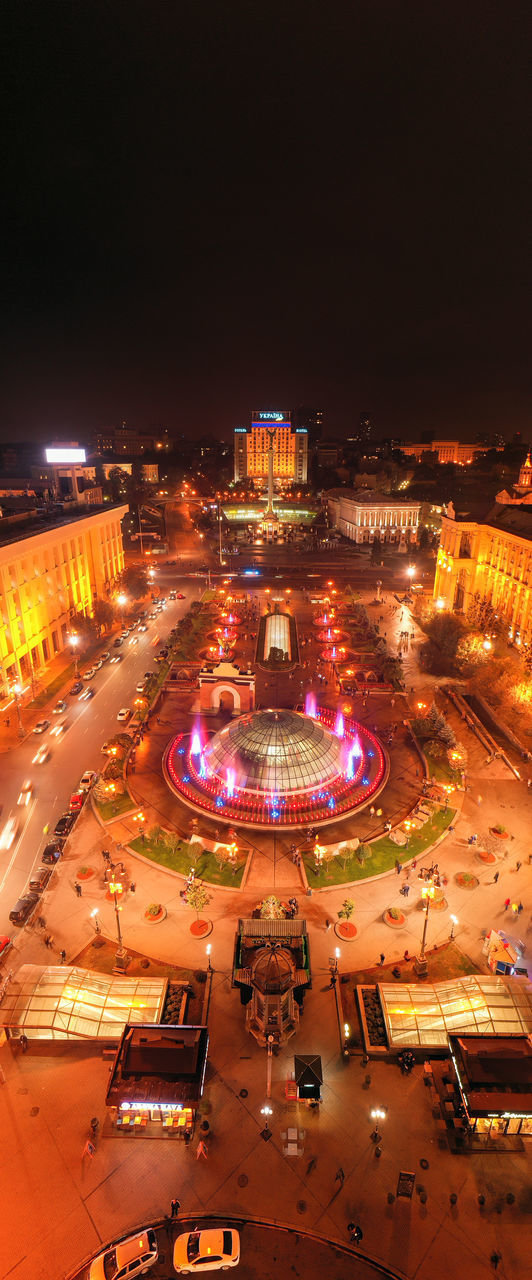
x=180 y=860
x=441 y=770
x=444 y=963
x=384 y=854
x=53 y=688
x=120 y=804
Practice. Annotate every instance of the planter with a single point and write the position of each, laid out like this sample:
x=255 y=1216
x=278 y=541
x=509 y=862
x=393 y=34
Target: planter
x=499 y=835
x=155 y=919
x=201 y=928
x=391 y=922
x=85 y=873
x=345 y=930
x=466 y=880
x=487 y=858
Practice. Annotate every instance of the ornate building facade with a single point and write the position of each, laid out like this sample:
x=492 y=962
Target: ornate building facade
x=488 y=560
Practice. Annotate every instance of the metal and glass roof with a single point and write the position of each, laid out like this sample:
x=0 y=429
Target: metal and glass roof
x=275 y=751
x=426 y=1015
x=67 y=1003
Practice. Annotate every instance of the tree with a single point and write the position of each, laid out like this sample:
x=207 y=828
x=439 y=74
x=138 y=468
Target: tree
x=134 y=582
x=157 y=834
x=104 y=614
x=197 y=897
x=423 y=538
x=85 y=628
x=346 y=910
x=444 y=632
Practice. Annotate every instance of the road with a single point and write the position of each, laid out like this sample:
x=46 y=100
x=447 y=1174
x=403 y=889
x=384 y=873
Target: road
x=87 y=725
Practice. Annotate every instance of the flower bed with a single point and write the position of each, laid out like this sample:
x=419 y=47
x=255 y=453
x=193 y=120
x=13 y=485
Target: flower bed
x=85 y=873
x=466 y=880
x=394 y=918
x=345 y=930
x=499 y=833
x=484 y=856
x=155 y=913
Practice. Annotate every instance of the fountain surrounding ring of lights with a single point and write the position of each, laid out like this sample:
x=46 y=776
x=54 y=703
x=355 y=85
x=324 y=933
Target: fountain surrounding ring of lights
x=279 y=768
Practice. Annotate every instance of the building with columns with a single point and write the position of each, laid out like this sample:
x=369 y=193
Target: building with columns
x=47 y=576
x=366 y=516
x=488 y=559
x=442 y=451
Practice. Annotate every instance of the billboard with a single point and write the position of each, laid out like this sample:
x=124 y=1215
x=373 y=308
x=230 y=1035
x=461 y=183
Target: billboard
x=63 y=456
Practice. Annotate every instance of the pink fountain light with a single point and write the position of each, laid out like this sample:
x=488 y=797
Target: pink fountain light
x=339 y=725
x=310 y=705
x=230 y=782
x=196 y=744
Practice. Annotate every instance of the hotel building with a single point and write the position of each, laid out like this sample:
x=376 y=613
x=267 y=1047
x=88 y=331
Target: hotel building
x=46 y=578
x=290 y=450
x=365 y=516
x=488 y=559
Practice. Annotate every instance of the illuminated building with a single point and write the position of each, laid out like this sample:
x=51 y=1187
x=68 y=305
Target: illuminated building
x=126 y=442
x=446 y=451
x=366 y=516
x=290 y=450
x=488 y=560
x=49 y=576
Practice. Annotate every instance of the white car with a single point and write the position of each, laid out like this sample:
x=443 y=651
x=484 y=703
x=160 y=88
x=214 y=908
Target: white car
x=87 y=779
x=126 y=1260
x=42 y=754
x=104 y=657
x=216 y=1249
x=41 y=726
x=26 y=792
x=9 y=832
x=88 y=675
x=141 y=686
x=124 y=714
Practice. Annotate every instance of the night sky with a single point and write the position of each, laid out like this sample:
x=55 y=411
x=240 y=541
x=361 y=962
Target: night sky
x=216 y=207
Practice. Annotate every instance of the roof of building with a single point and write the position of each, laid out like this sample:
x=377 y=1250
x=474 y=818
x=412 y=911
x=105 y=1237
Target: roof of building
x=49 y=522
x=62 y=1002
x=368 y=497
x=495 y=1071
x=159 y=1064
x=416 y=1014
x=274 y=751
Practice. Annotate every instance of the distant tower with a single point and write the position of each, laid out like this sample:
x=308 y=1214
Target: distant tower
x=365 y=427
x=525 y=474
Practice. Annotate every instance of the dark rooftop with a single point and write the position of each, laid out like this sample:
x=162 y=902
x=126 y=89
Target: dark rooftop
x=48 y=521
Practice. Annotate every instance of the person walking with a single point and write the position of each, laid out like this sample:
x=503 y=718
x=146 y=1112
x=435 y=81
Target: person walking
x=382 y=958
x=62 y=953
x=506 y=903
x=340 y=1176
x=175 y=1206
x=519 y=908
x=495 y=1258
x=78 y=889
x=24 y=1042
x=518 y=866
x=496 y=877
x=356 y=1233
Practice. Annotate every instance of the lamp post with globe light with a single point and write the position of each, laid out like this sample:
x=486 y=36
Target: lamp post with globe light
x=121 y=602
x=74 y=642
x=427 y=894
x=16 y=690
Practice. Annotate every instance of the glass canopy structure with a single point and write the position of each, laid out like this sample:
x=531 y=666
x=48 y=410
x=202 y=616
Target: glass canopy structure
x=275 y=751
x=417 y=1015
x=67 y=1003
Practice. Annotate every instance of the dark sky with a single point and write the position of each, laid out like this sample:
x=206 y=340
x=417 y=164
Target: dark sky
x=215 y=207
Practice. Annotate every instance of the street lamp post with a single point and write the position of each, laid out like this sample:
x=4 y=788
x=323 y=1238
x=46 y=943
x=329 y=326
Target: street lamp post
x=266 y=1133
x=420 y=963
x=454 y=920
x=74 y=641
x=269 y=1068
x=377 y=1114
x=95 y=916
x=16 y=690
x=121 y=957
x=121 y=602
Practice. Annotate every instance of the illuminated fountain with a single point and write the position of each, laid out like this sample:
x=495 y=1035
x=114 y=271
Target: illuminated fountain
x=279 y=768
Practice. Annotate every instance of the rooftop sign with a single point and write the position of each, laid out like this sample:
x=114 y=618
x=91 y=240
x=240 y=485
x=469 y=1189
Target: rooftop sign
x=65 y=455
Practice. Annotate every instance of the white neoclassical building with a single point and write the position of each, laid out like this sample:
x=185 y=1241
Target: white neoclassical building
x=365 y=516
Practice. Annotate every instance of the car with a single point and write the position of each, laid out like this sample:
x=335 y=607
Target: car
x=59 y=708
x=26 y=792
x=124 y=634
x=124 y=714
x=180 y=596
x=76 y=687
x=152 y=615
x=129 y=1258
x=148 y=675
x=172 y=595
x=42 y=754
x=98 y=664
x=104 y=657
x=140 y=687
x=214 y=1249
x=87 y=779
x=39 y=879
x=134 y=640
x=5 y=944
x=89 y=674
x=87 y=695
x=51 y=853
x=117 y=657
x=142 y=627
x=58 y=729
x=64 y=825
x=118 y=642
x=77 y=800
x=9 y=832
x=23 y=909
x=41 y=726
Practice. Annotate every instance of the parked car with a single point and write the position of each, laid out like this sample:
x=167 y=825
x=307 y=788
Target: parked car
x=76 y=687
x=51 y=853
x=89 y=674
x=98 y=664
x=41 y=726
x=180 y=596
x=5 y=944
x=129 y=1258
x=87 y=779
x=23 y=909
x=118 y=642
x=39 y=879
x=104 y=657
x=148 y=675
x=140 y=687
x=59 y=708
x=25 y=793
x=9 y=832
x=77 y=800
x=64 y=825
x=210 y=1250
x=124 y=715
